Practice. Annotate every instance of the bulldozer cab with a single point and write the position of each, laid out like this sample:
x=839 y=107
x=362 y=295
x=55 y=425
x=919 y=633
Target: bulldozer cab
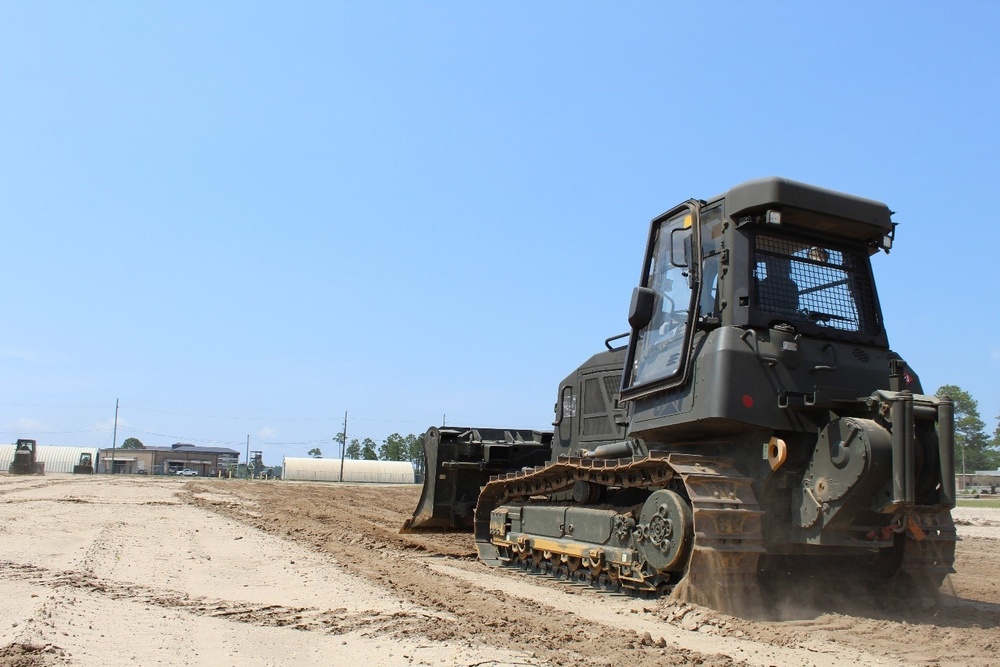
x=767 y=253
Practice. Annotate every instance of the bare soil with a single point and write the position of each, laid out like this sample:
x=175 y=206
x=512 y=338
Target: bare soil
x=157 y=571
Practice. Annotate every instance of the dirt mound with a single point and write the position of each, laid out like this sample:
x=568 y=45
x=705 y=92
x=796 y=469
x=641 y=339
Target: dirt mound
x=30 y=655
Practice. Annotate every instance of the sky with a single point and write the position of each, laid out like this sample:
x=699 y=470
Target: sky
x=243 y=220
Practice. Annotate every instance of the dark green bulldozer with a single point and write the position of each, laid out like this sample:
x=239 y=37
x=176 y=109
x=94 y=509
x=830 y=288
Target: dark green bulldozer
x=24 y=462
x=85 y=466
x=755 y=423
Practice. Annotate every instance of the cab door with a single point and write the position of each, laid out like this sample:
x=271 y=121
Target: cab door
x=665 y=305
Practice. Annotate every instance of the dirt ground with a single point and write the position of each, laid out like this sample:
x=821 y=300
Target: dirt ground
x=158 y=571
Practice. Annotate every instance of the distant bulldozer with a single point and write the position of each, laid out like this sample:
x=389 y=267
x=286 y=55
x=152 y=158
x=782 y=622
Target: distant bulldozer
x=24 y=459
x=85 y=466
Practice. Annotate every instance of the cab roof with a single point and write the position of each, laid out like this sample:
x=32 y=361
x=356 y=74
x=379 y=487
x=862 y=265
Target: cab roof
x=856 y=217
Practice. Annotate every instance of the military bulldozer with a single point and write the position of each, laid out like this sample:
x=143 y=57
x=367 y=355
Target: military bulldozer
x=85 y=466
x=24 y=462
x=753 y=422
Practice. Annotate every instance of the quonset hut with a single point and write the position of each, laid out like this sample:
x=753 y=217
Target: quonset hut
x=55 y=458
x=328 y=470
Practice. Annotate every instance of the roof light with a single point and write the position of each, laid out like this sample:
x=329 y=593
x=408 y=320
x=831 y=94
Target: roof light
x=887 y=242
x=773 y=217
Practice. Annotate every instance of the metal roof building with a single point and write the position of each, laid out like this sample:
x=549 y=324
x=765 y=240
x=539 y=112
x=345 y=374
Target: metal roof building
x=205 y=461
x=55 y=458
x=328 y=470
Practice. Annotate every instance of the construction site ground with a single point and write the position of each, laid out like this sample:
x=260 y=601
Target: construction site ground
x=99 y=570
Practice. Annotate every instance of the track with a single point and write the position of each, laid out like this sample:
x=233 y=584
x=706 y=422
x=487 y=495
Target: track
x=726 y=521
x=725 y=565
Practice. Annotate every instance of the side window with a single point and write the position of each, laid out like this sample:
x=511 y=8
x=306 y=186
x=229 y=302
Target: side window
x=711 y=251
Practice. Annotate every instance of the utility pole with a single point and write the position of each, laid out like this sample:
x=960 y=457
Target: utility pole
x=343 y=447
x=963 y=467
x=114 y=438
x=247 y=466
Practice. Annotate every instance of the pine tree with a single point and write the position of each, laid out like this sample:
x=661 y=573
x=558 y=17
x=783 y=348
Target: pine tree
x=971 y=442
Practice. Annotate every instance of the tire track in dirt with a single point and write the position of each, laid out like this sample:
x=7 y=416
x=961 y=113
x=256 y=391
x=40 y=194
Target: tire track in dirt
x=30 y=486
x=308 y=619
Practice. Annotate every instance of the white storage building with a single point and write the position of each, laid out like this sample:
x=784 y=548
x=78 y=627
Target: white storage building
x=55 y=458
x=328 y=470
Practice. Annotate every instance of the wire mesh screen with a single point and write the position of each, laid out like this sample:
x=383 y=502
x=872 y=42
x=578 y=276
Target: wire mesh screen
x=611 y=385
x=817 y=284
x=597 y=426
x=593 y=397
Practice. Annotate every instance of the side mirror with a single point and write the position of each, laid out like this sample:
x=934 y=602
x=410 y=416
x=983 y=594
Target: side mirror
x=640 y=310
x=680 y=248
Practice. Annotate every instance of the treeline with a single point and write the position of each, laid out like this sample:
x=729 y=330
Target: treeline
x=980 y=450
x=396 y=447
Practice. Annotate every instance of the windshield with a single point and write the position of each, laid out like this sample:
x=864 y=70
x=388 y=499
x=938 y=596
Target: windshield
x=798 y=281
x=660 y=344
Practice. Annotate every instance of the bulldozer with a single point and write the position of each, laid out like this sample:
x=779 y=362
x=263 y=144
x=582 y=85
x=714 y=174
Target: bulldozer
x=85 y=466
x=24 y=462
x=753 y=423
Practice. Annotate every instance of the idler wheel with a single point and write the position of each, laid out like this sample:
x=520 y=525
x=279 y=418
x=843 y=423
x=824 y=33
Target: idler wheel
x=585 y=492
x=665 y=531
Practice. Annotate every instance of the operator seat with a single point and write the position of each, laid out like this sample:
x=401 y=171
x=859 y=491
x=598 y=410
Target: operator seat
x=778 y=293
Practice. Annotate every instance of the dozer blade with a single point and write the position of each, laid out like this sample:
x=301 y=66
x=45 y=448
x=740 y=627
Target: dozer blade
x=458 y=461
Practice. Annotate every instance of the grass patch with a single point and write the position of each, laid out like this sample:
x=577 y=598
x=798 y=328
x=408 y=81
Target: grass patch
x=981 y=502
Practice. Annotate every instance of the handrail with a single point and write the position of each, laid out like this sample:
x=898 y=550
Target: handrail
x=608 y=341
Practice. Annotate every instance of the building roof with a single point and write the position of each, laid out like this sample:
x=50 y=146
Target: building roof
x=191 y=449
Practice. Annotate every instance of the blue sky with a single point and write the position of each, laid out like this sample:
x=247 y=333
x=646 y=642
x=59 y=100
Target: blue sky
x=246 y=218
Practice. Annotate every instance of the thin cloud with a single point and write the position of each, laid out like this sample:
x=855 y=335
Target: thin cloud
x=27 y=426
x=109 y=424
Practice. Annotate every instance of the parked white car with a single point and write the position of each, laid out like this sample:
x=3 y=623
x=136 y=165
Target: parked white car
x=187 y=472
